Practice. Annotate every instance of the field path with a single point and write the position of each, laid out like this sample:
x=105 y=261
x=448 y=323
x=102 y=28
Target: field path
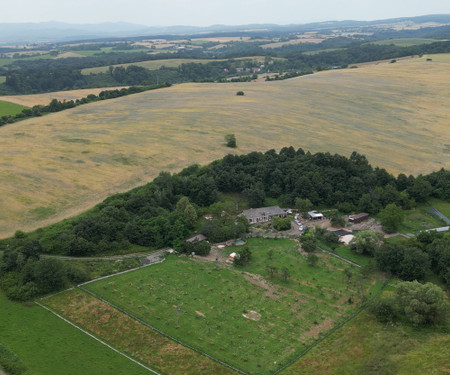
x=61 y=164
x=441 y=215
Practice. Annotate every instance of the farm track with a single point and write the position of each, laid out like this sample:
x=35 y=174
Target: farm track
x=155 y=254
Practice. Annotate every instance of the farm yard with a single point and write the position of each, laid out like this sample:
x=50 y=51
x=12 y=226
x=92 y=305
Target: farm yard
x=77 y=157
x=245 y=317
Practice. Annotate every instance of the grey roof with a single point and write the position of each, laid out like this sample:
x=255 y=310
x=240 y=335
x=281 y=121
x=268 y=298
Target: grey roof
x=253 y=213
x=198 y=237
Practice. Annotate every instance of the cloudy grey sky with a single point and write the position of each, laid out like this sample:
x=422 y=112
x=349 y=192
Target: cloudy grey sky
x=209 y=12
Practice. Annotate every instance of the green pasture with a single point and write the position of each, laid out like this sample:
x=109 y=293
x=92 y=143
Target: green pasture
x=47 y=345
x=440 y=205
x=419 y=219
x=363 y=260
x=290 y=315
x=12 y=109
x=365 y=346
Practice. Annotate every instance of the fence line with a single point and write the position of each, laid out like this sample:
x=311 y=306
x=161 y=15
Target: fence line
x=96 y=338
x=162 y=332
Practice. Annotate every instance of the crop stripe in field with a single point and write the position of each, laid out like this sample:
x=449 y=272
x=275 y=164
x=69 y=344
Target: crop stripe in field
x=314 y=344
x=96 y=338
x=162 y=332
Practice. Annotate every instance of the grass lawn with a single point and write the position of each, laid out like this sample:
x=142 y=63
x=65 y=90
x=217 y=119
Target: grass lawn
x=2 y=79
x=360 y=259
x=419 y=219
x=365 y=346
x=289 y=315
x=440 y=205
x=47 y=345
x=12 y=109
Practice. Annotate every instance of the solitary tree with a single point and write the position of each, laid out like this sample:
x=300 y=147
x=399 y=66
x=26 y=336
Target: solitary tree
x=230 y=140
x=422 y=303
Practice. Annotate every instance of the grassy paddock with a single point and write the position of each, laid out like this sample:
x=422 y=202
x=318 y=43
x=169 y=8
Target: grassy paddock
x=406 y=42
x=360 y=259
x=131 y=337
x=78 y=157
x=440 y=205
x=47 y=345
x=419 y=219
x=293 y=313
x=365 y=346
x=7 y=108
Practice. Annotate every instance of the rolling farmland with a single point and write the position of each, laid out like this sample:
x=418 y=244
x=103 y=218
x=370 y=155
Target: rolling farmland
x=61 y=164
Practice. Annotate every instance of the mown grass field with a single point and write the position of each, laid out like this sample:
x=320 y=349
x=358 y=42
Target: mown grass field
x=7 y=108
x=47 y=345
x=44 y=99
x=395 y=114
x=293 y=313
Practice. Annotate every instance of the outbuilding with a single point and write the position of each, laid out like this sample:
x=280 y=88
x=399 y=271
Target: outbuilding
x=358 y=218
x=314 y=215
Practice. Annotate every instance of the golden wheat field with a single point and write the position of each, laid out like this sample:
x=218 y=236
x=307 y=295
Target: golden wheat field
x=58 y=165
x=44 y=99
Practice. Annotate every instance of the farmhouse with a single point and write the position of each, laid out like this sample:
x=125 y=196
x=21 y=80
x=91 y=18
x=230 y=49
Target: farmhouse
x=263 y=214
x=314 y=215
x=358 y=218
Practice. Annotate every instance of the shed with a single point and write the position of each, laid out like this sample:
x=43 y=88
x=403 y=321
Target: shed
x=358 y=217
x=314 y=215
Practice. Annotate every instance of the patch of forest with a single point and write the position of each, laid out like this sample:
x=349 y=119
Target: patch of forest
x=166 y=211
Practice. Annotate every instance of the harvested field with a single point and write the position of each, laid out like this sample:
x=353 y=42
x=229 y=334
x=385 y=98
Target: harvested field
x=44 y=99
x=61 y=164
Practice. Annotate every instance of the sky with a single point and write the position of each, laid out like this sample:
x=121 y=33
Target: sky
x=210 y=12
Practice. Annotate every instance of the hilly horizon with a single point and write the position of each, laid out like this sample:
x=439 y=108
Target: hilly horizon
x=54 y=31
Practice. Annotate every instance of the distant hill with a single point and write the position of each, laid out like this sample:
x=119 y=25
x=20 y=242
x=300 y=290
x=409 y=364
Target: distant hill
x=53 y=32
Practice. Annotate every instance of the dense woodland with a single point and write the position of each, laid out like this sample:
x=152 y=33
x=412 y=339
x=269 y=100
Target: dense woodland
x=166 y=211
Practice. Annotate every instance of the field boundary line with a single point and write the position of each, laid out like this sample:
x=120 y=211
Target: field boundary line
x=331 y=331
x=120 y=273
x=340 y=257
x=161 y=332
x=96 y=338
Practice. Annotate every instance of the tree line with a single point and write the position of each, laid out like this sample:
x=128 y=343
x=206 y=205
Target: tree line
x=57 y=105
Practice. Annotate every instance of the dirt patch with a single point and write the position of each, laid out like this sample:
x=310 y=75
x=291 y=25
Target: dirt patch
x=317 y=328
x=259 y=281
x=252 y=315
x=367 y=224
